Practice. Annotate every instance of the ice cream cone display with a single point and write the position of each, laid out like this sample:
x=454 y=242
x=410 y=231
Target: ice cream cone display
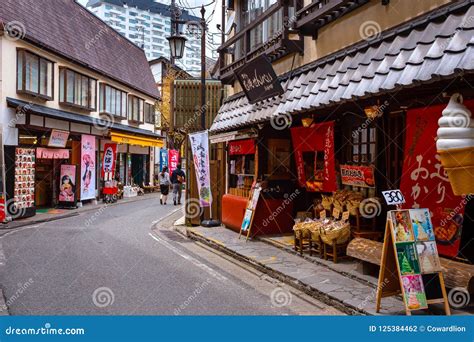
x=413 y=303
x=455 y=145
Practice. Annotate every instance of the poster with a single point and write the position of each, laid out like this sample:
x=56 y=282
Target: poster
x=67 y=184
x=314 y=156
x=58 y=138
x=173 y=160
x=424 y=182
x=255 y=196
x=354 y=175
x=421 y=223
x=108 y=161
x=415 y=297
x=428 y=257
x=247 y=219
x=87 y=167
x=408 y=258
x=163 y=158
x=200 y=150
x=401 y=222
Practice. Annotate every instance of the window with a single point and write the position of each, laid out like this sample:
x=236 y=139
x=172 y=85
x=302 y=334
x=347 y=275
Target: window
x=76 y=89
x=149 y=113
x=34 y=75
x=135 y=108
x=112 y=101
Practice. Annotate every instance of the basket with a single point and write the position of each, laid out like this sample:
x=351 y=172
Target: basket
x=457 y=157
x=338 y=233
x=353 y=207
x=302 y=230
x=461 y=179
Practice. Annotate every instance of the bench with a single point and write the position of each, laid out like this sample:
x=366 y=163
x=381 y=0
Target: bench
x=458 y=276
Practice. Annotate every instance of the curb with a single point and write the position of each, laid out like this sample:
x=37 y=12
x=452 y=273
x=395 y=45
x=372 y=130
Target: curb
x=321 y=296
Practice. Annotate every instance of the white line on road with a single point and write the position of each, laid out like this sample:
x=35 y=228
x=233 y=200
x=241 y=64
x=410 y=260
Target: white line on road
x=196 y=262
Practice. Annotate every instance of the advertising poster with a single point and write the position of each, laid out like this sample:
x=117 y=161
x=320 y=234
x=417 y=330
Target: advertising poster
x=421 y=223
x=87 y=167
x=58 y=138
x=67 y=184
x=407 y=258
x=425 y=183
x=428 y=257
x=362 y=176
x=402 y=226
x=173 y=160
x=163 y=158
x=415 y=296
x=200 y=149
x=108 y=161
x=246 y=221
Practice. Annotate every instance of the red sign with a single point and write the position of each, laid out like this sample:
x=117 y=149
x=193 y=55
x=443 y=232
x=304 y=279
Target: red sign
x=108 y=161
x=67 y=186
x=362 y=176
x=425 y=183
x=314 y=156
x=239 y=147
x=173 y=160
x=51 y=153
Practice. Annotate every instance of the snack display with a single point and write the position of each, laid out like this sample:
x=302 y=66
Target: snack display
x=24 y=189
x=455 y=145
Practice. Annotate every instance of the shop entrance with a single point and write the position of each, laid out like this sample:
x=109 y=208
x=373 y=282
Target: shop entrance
x=138 y=169
x=47 y=182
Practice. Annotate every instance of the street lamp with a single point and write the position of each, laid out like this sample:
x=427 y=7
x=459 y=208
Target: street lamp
x=177 y=44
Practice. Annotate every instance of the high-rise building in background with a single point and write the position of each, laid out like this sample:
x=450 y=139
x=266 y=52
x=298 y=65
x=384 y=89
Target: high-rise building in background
x=147 y=23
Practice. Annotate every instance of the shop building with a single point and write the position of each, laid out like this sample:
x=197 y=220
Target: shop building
x=355 y=113
x=64 y=96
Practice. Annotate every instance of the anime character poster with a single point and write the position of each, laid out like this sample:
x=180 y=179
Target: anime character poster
x=87 y=167
x=67 y=183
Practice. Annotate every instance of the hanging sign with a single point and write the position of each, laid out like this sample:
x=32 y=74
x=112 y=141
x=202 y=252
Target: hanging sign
x=240 y=147
x=67 y=184
x=58 y=138
x=200 y=150
x=163 y=158
x=87 y=167
x=258 y=79
x=424 y=181
x=52 y=153
x=173 y=160
x=108 y=161
x=361 y=176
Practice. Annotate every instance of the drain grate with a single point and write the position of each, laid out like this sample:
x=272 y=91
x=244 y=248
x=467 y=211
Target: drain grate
x=173 y=236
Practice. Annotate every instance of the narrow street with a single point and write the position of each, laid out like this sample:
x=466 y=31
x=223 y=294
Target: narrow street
x=119 y=260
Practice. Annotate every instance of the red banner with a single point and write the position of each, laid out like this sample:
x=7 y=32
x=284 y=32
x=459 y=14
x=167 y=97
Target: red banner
x=314 y=156
x=355 y=175
x=109 y=158
x=425 y=183
x=239 y=147
x=173 y=160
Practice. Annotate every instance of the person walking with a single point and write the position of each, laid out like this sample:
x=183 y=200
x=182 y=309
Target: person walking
x=164 y=179
x=177 y=179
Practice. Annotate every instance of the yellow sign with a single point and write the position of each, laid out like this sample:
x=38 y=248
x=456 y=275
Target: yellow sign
x=135 y=140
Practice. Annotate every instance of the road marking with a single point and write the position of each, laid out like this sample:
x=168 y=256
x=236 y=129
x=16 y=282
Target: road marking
x=196 y=262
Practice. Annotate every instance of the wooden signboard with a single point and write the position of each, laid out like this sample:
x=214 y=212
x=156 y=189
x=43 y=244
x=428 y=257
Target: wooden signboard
x=409 y=256
x=250 y=210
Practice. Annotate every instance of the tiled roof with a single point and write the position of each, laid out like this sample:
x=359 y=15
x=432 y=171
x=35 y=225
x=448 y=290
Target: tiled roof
x=438 y=45
x=68 y=29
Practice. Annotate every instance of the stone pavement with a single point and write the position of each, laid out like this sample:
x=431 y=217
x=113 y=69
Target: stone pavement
x=349 y=294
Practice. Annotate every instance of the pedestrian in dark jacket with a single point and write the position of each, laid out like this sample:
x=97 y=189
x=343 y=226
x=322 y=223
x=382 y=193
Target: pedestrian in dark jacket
x=178 y=177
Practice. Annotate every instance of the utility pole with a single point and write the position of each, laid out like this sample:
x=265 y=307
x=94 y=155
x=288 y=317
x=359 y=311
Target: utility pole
x=203 y=69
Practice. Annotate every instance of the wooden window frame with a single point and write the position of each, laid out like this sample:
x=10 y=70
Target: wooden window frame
x=151 y=114
x=130 y=115
x=92 y=106
x=103 y=108
x=22 y=53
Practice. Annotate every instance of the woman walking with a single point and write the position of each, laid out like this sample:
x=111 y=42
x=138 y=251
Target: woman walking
x=164 y=179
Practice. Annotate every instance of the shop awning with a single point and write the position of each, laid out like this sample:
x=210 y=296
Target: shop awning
x=435 y=46
x=135 y=140
x=33 y=108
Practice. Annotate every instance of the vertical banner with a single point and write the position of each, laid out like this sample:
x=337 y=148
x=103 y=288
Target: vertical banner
x=108 y=161
x=163 y=158
x=200 y=150
x=425 y=183
x=67 y=185
x=87 y=167
x=173 y=160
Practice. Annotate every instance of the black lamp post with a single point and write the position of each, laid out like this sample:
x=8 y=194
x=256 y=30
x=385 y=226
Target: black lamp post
x=177 y=44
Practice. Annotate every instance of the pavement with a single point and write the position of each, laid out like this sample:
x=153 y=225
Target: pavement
x=340 y=285
x=126 y=259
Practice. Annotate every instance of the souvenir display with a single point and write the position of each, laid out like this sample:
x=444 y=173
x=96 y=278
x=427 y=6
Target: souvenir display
x=24 y=189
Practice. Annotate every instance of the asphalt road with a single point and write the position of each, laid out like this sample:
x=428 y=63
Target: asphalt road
x=120 y=260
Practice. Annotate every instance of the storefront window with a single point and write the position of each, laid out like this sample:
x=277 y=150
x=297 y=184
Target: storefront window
x=149 y=113
x=112 y=101
x=135 y=108
x=34 y=75
x=76 y=89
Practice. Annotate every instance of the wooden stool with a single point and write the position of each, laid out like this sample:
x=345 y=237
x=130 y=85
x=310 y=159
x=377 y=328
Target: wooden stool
x=335 y=251
x=302 y=240
x=316 y=245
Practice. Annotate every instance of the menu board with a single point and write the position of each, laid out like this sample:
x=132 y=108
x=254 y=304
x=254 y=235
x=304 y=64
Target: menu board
x=415 y=245
x=24 y=189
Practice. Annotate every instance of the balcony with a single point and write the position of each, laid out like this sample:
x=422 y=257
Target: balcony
x=269 y=33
